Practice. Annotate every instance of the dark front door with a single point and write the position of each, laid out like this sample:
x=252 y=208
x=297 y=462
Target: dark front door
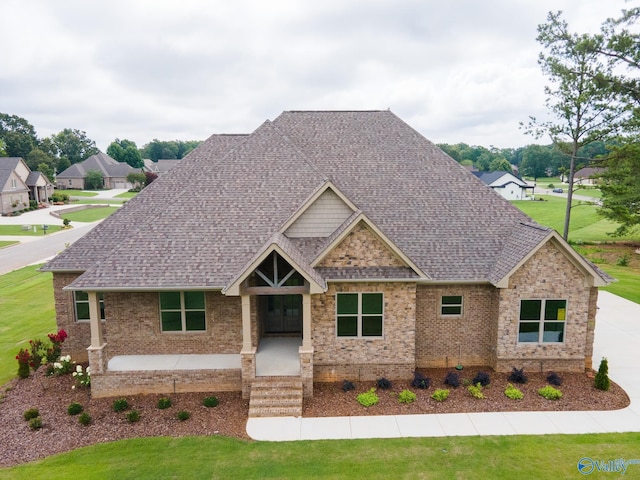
x=282 y=314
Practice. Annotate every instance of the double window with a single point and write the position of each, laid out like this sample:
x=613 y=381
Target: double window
x=451 y=305
x=81 y=301
x=182 y=311
x=359 y=314
x=542 y=321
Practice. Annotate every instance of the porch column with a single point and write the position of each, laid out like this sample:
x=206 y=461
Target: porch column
x=246 y=323
x=306 y=321
x=248 y=352
x=97 y=359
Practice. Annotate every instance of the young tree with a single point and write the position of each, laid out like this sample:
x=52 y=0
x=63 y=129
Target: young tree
x=584 y=112
x=93 y=180
x=137 y=179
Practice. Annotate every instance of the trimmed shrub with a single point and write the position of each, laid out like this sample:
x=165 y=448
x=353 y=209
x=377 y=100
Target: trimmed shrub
x=420 y=381
x=384 y=383
x=84 y=419
x=518 y=376
x=120 y=405
x=368 y=399
x=347 y=386
x=440 y=395
x=164 y=402
x=554 y=379
x=31 y=413
x=550 y=393
x=74 y=408
x=133 y=416
x=210 y=402
x=513 y=393
x=35 y=423
x=452 y=379
x=407 y=396
x=476 y=390
x=183 y=415
x=482 y=378
x=602 y=381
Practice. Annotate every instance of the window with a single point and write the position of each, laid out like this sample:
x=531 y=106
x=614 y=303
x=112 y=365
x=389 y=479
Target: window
x=542 y=321
x=451 y=305
x=182 y=311
x=81 y=300
x=359 y=314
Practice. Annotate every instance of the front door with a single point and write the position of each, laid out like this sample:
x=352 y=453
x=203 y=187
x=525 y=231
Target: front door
x=282 y=314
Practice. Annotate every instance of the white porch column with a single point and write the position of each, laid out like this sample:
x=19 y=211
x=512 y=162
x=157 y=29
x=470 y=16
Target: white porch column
x=247 y=344
x=97 y=339
x=306 y=321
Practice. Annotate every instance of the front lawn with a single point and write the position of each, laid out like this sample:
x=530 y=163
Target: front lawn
x=4 y=243
x=78 y=193
x=90 y=214
x=17 y=230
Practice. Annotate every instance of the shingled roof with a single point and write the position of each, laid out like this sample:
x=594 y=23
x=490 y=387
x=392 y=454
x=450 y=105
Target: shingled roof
x=100 y=162
x=198 y=226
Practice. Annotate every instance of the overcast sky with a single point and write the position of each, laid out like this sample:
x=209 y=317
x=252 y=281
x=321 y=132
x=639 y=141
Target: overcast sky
x=463 y=71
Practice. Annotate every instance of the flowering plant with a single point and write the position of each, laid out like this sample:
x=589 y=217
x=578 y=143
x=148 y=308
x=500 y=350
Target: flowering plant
x=83 y=378
x=24 y=361
x=56 y=340
x=63 y=366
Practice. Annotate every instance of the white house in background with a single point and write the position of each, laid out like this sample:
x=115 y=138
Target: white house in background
x=506 y=184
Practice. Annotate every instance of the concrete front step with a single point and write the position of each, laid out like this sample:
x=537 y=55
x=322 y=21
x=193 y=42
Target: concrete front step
x=276 y=397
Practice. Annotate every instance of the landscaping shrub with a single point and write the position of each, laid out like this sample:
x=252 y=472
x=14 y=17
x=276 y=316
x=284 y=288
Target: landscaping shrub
x=384 y=383
x=513 y=393
x=482 y=378
x=164 y=402
x=120 y=405
x=210 y=402
x=440 y=395
x=183 y=415
x=133 y=416
x=347 y=386
x=476 y=390
x=368 y=399
x=602 y=381
x=518 y=376
x=550 y=393
x=84 y=419
x=83 y=377
x=452 y=379
x=624 y=260
x=24 y=359
x=63 y=366
x=74 y=408
x=407 y=396
x=31 y=413
x=420 y=381
x=35 y=423
x=554 y=379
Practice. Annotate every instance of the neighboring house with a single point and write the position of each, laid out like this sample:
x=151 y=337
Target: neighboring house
x=587 y=175
x=346 y=240
x=18 y=185
x=160 y=167
x=506 y=184
x=114 y=173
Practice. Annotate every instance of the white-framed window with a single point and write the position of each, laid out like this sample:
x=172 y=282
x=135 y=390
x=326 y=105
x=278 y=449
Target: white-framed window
x=359 y=314
x=451 y=305
x=81 y=301
x=542 y=321
x=14 y=183
x=182 y=312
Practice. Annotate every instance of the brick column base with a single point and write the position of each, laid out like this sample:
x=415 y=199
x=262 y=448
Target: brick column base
x=248 y=360
x=97 y=360
x=306 y=371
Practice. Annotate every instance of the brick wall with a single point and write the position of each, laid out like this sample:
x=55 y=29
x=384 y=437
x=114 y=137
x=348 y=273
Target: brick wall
x=440 y=339
x=79 y=332
x=547 y=275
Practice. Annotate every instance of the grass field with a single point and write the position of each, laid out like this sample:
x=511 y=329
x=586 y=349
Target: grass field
x=79 y=193
x=507 y=457
x=90 y=214
x=6 y=243
x=26 y=312
x=126 y=195
x=17 y=230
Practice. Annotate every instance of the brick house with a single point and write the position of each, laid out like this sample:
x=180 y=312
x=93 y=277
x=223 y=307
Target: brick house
x=346 y=236
x=114 y=173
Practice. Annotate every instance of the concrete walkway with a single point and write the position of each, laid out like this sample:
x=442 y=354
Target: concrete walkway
x=617 y=337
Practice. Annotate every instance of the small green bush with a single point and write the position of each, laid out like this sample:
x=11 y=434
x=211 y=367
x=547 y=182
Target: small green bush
x=183 y=415
x=164 y=402
x=35 y=423
x=440 y=395
x=513 y=393
x=601 y=381
x=120 y=405
x=624 y=260
x=31 y=413
x=476 y=390
x=74 y=408
x=84 y=419
x=407 y=396
x=384 y=383
x=210 y=402
x=550 y=393
x=133 y=416
x=368 y=399
x=347 y=386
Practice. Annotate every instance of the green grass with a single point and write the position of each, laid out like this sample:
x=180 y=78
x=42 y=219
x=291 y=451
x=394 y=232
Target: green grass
x=26 y=312
x=90 y=214
x=507 y=457
x=126 y=195
x=628 y=284
x=17 y=230
x=589 y=192
x=79 y=193
x=4 y=243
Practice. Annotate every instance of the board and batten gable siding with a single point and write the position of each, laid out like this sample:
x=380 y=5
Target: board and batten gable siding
x=322 y=218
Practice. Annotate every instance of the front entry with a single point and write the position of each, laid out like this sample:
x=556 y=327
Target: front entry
x=281 y=314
